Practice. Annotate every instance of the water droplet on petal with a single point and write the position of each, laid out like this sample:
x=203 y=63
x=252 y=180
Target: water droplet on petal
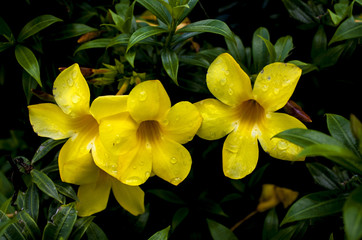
x=262 y=71
x=268 y=78
x=133 y=181
x=74 y=75
x=143 y=96
x=75 y=98
x=282 y=145
x=175 y=180
x=223 y=81
x=117 y=139
x=286 y=82
x=147 y=174
x=230 y=91
x=226 y=72
x=276 y=90
x=165 y=122
x=66 y=109
x=70 y=82
x=148 y=145
x=173 y=160
x=264 y=88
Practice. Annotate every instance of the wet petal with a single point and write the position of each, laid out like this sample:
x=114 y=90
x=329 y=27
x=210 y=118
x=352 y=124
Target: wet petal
x=148 y=101
x=182 y=122
x=105 y=106
x=277 y=147
x=240 y=153
x=218 y=119
x=93 y=197
x=130 y=198
x=48 y=120
x=118 y=132
x=76 y=164
x=171 y=161
x=71 y=91
x=275 y=84
x=227 y=81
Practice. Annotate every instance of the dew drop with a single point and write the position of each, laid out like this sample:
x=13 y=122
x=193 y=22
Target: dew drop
x=66 y=109
x=286 y=82
x=173 y=160
x=70 y=82
x=117 y=139
x=262 y=71
x=133 y=180
x=165 y=122
x=226 y=72
x=223 y=81
x=230 y=91
x=276 y=90
x=282 y=145
x=75 y=98
x=143 y=96
x=147 y=174
x=74 y=75
x=268 y=78
x=175 y=180
x=148 y=145
x=264 y=88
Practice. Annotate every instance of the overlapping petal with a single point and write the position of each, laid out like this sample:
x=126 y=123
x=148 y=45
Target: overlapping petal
x=93 y=197
x=130 y=198
x=76 y=164
x=218 y=119
x=172 y=161
x=105 y=106
x=227 y=81
x=71 y=92
x=276 y=147
x=182 y=122
x=240 y=153
x=48 y=120
x=275 y=84
x=148 y=101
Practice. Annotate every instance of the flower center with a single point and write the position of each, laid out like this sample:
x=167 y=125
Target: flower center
x=149 y=131
x=251 y=113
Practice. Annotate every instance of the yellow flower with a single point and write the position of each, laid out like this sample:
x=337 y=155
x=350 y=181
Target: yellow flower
x=72 y=118
x=148 y=137
x=248 y=114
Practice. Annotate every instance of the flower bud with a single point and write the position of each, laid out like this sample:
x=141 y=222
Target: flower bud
x=296 y=111
x=89 y=36
x=43 y=95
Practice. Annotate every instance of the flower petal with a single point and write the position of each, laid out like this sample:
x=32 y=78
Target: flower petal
x=76 y=164
x=48 y=120
x=276 y=147
x=93 y=197
x=227 y=81
x=218 y=119
x=240 y=153
x=275 y=84
x=118 y=133
x=148 y=101
x=105 y=106
x=171 y=161
x=182 y=122
x=71 y=92
x=130 y=198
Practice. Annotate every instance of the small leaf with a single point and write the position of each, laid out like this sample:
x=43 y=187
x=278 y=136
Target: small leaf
x=329 y=57
x=167 y=196
x=4 y=28
x=31 y=202
x=4 y=46
x=347 y=30
x=28 y=226
x=44 y=148
x=191 y=4
x=271 y=49
x=259 y=49
x=121 y=39
x=97 y=43
x=80 y=227
x=300 y=11
x=283 y=46
x=295 y=231
x=219 y=231
x=352 y=212
x=67 y=190
x=29 y=83
x=61 y=224
x=237 y=50
x=161 y=235
x=28 y=61
x=143 y=33
x=319 y=204
x=209 y=26
x=271 y=224
x=170 y=63
x=306 y=67
x=324 y=176
x=179 y=216
x=73 y=30
x=94 y=232
x=319 y=43
x=45 y=184
x=36 y=25
x=158 y=9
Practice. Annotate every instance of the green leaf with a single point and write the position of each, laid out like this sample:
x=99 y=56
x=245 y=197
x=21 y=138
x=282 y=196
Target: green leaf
x=210 y=26
x=67 y=190
x=143 y=33
x=158 y=9
x=97 y=43
x=300 y=11
x=36 y=25
x=283 y=46
x=161 y=235
x=121 y=39
x=44 y=148
x=271 y=49
x=347 y=30
x=178 y=217
x=73 y=30
x=324 y=176
x=167 y=196
x=170 y=63
x=94 y=232
x=329 y=57
x=295 y=231
x=61 y=224
x=28 y=61
x=356 y=127
x=4 y=46
x=237 y=50
x=319 y=43
x=45 y=184
x=28 y=226
x=5 y=222
x=4 y=28
x=130 y=56
x=340 y=128
x=80 y=227
x=191 y=4
x=306 y=67
x=31 y=202
x=29 y=83
x=259 y=49
x=319 y=204
x=271 y=224
x=352 y=215
x=219 y=231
